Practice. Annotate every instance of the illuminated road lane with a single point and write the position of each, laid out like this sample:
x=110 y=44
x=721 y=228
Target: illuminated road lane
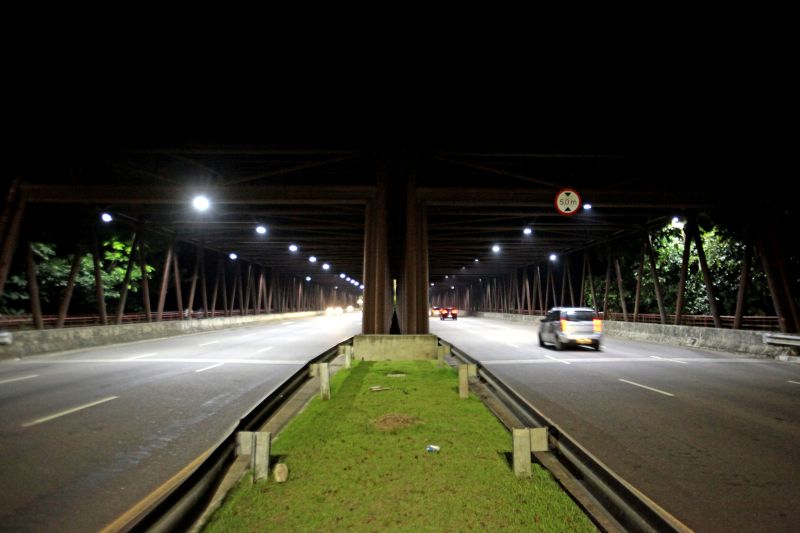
x=712 y=437
x=87 y=434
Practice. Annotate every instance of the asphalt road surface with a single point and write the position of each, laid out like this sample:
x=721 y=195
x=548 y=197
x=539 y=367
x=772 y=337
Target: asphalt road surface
x=85 y=435
x=712 y=437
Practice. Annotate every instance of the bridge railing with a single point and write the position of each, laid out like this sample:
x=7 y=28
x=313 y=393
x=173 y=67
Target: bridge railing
x=760 y=323
x=19 y=322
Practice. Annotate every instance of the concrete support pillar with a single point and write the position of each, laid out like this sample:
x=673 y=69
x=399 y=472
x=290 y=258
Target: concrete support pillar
x=414 y=318
x=378 y=305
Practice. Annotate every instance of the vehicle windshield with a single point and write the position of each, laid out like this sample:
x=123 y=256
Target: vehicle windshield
x=579 y=316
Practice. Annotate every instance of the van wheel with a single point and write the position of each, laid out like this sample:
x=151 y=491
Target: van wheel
x=596 y=346
x=557 y=344
x=541 y=342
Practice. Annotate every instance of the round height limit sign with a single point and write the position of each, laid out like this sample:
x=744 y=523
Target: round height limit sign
x=568 y=202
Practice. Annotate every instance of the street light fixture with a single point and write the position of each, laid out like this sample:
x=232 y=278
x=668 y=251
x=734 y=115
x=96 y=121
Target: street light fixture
x=201 y=203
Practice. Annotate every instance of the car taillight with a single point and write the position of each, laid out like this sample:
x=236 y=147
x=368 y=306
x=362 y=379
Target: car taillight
x=564 y=325
x=454 y=311
x=597 y=325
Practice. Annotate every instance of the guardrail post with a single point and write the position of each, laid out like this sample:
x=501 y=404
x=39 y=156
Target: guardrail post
x=539 y=440
x=259 y=461
x=442 y=352
x=522 y=452
x=244 y=443
x=347 y=352
x=324 y=381
x=463 y=381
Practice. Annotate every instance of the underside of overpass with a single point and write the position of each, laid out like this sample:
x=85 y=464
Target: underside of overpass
x=412 y=223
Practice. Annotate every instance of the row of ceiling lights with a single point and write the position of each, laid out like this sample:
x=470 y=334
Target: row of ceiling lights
x=202 y=203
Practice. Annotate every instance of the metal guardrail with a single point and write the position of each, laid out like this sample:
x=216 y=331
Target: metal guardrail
x=781 y=339
x=632 y=509
x=178 y=510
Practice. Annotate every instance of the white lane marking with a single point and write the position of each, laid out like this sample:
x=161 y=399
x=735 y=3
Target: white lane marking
x=284 y=323
x=209 y=367
x=670 y=360
x=183 y=360
x=208 y=343
x=140 y=356
x=68 y=412
x=512 y=345
x=790 y=381
x=268 y=348
x=11 y=380
x=646 y=387
x=559 y=360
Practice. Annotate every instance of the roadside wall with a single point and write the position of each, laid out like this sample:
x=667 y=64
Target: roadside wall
x=35 y=342
x=728 y=340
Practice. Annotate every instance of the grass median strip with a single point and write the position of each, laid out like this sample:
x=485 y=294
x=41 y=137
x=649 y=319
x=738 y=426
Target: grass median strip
x=360 y=462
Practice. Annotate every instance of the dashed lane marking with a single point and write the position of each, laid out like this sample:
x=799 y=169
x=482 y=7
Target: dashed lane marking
x=68 y=412
x=668 y=359
x=646 y=387
x=209 y=367
x=135 y=357
x=209 y=343
x=268 y=348
x=21 y=378
x=558 y=360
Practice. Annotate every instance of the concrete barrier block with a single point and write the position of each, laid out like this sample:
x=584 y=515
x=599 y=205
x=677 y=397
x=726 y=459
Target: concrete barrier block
x=522 y=452
x=395 y=347
x=463 y=381
x=324 y=381
x=539 y=441
x=260 y=454
x=244 y=443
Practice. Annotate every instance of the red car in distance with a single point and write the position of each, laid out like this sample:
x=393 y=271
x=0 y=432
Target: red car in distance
x=448 y=312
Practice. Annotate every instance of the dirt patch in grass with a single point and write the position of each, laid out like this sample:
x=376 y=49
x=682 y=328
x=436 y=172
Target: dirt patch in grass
x=393 y=421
